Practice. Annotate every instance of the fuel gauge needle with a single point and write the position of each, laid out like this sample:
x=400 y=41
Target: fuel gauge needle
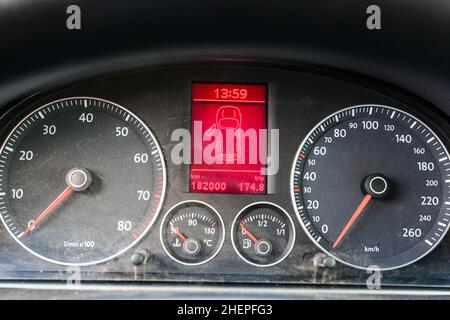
x=248 y=233
x=66 y=193
x=353 y=218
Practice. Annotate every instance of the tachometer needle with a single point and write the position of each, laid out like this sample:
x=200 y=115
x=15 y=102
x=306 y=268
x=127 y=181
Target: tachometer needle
x=67 y=192
x=352 y=220
x=248 y=233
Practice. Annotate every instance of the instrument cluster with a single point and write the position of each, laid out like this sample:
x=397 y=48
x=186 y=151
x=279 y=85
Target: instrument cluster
x=225 y=173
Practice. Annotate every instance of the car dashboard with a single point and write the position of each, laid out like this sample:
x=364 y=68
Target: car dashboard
x=239 y=172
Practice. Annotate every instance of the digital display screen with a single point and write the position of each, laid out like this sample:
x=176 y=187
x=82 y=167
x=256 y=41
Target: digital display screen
x=229 y=138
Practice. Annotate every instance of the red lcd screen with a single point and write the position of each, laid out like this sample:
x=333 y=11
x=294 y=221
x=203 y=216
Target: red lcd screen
x=229 y=138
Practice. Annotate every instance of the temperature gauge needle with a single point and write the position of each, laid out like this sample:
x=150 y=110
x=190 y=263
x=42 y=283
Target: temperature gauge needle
x=67 y=192
x=248 y=233
x=179 y=234
x=353 y=218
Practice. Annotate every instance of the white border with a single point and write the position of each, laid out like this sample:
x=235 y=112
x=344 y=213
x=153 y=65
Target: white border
x=208 y=291
x=163 y=224
x=288 y=251
x=156 y=212
x=292 y=184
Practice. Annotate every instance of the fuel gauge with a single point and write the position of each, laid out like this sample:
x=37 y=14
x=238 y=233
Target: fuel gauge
x=192 y=232
x=263 y=234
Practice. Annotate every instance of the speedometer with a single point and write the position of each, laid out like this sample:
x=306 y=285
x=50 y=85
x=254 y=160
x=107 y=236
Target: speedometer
x=81 y=180
x=370 y=185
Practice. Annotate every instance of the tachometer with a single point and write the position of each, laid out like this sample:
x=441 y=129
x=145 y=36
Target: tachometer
x=81 y=180
x=370 y=185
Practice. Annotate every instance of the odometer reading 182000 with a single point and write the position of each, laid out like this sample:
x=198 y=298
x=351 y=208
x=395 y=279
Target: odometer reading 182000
x=370 y=185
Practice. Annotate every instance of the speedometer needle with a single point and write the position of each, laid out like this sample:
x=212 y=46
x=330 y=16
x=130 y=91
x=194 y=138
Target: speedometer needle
x=67 y=192
x=353 y=218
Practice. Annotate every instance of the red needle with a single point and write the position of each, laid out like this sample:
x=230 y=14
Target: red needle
x=179 y=234
x=67 y=192
x=248 y=233
x=352 y=220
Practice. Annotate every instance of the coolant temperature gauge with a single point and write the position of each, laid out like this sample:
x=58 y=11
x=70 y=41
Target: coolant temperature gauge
x=263 y=234
x=192 y=232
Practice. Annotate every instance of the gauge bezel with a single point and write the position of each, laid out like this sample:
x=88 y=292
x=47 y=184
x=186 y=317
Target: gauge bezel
x=163 y=189
x=163 y=225
x=292 y=193
x=291 y=229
